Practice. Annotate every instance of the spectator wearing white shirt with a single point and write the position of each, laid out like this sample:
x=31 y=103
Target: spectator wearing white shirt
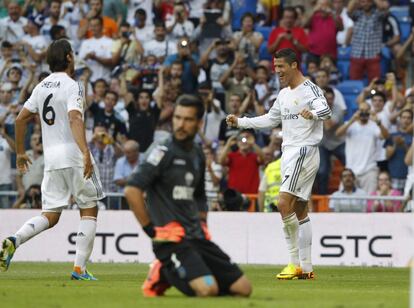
x=362 y=135
x=177 y=24
x=73 y=11
x=53 y=19
x=126 y=164
x=348 y=189
x=160 y=46
x=145 y=5
x=7 y=146
x=343 y=37
x=35 y=43
x=96 y=51
x=144 y=32
x=11 y=27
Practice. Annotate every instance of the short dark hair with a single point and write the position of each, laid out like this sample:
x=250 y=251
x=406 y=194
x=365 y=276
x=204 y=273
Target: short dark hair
x=177 y=62
x=57 y=55
x=55 y=30
x=409 y=111
x=205 y=85
x=113 y=93
x=6 y=44
x=288 y=54
x=290 y=9
x=100 y=80
x=140 y=12
x=247 y=15
x=329 y=90
x=349 y=170
x=380 y=94
x=159 y=23
x=189 y=100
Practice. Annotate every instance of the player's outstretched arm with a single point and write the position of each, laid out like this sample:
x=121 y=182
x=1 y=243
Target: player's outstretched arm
x=78 y=131
x=22 y=160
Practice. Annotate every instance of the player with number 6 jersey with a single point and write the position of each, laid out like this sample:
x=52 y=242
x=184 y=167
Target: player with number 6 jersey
x=69 y=167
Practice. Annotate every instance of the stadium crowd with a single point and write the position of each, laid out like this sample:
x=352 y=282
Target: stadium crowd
x=134 y=58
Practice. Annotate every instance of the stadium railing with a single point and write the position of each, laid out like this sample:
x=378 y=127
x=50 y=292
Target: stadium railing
x=320 y=203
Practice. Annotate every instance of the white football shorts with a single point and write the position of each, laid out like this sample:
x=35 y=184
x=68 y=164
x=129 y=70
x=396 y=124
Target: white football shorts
x=59 y=185
x=299 y=167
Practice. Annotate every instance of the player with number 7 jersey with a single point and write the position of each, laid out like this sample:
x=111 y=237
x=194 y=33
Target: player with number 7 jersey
x=69 y=167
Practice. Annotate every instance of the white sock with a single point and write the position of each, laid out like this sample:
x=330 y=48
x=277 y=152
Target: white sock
x=31 y=228
x=84 y=242
x=305 y=244
x=291 y=227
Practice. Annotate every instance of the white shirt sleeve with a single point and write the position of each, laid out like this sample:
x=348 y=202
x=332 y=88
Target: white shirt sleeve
x=320 y=109
x=270 y=119
x=31 y=103
x=75 y=97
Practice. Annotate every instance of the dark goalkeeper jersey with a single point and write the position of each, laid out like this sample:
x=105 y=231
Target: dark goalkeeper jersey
x=174 y=181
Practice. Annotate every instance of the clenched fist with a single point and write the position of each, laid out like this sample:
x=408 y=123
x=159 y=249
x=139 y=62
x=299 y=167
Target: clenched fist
x=232 y=120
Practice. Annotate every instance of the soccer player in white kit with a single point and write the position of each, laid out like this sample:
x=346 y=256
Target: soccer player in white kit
x=69 y=168
x=301 y=108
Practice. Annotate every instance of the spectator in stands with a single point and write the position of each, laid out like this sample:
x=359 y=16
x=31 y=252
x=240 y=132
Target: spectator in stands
x=12 y=26
x=327 y=63
x=384 y=189
x=116 y=10
x=178 y=25
x=363 y=132
x=322 y=80
x=32 y=198
x=312 y=67
x=243 y=164
x=366 y=40
x=287 y=35
x=262 y=87
x=406 y=52
x=6 y=53
x=218 y=65
x=160 y=46
x=109 y=26
x=248 y=41
x=34 y=174
x=213 y=175
x=323 y=24
x=397 y=146
x=391 y=35
x=96 y=51
x=343 y=38
x=7 y=146
x=189 y=61
x=340 y=203
x=213 y=114
x=143 y=117
x=275 y=143
x=270 y=184
x=239 y=82
x=6 y=95
x=106 y=116
x=126 y=52
x=105 y=152
x=53 y=19
x=143 y=32
x=237 y=105
x=330 y=144
x=34 y=43
x=73 y=12
x=126 y=164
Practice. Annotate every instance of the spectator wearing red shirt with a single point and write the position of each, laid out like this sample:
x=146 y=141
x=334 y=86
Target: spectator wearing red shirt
x=243 y=164
x=287 y=35
x=323 y=24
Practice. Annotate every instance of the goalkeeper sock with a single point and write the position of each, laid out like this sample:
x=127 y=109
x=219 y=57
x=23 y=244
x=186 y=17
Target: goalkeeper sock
x=305 y=244
x=290 y=227
x=31 y=228
x=84 y=242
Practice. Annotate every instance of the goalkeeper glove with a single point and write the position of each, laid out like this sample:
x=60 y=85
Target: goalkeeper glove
x=171 y=232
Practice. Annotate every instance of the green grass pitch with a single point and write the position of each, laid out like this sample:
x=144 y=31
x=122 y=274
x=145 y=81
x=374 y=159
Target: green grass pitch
x=48 y=285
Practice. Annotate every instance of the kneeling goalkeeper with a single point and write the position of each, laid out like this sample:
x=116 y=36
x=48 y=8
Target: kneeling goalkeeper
x=175 y=213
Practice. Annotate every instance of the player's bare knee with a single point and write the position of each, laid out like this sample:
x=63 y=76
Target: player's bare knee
x=206 y=286
x=242 y=287
x=52 y=217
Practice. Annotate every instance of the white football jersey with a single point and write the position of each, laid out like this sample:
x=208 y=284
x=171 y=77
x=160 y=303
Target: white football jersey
x=52 y=99
x=296 y=130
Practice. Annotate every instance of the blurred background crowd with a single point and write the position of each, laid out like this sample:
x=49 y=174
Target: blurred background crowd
x=135 y=57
